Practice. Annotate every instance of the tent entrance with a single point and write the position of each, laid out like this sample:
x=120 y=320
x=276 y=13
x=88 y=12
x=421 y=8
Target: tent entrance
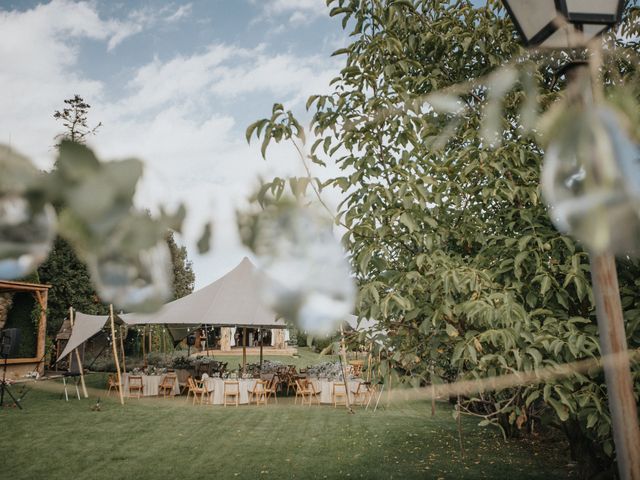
x=252 y=337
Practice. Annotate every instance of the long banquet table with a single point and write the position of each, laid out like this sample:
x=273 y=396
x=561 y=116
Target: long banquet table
x=216 y=387
x=150 y=385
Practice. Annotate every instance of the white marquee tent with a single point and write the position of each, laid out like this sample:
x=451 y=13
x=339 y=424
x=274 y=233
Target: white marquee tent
x=231 y=301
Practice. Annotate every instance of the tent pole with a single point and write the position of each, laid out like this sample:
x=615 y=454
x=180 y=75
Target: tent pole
x=144 y=345
x=124 y=363
x=80 y=366
x=343 y=357
x=369 y=362
x=115 y=354
x=261 y=342
x=244 y=349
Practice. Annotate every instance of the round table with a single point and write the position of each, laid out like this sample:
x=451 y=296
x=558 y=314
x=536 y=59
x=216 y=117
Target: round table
x=215 y=386
x=325 y=387
x=150 y=384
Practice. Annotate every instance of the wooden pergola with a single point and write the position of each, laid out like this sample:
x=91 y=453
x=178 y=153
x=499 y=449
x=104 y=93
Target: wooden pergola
x=20 y=366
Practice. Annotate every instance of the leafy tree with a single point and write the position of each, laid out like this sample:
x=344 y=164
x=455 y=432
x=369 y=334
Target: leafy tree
x=71 y=286
x=452 y=248
x=68 y=275
x=65 y=271
x=183 y=276
x=74 y=117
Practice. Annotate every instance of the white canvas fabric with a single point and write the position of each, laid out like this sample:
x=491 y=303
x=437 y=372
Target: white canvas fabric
x=84 y=327
x=231 y=301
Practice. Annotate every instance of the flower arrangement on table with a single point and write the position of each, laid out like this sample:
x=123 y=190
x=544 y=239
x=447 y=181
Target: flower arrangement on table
x=332 y=371
x=151 y=370
x=182 y=362
x=268 y=366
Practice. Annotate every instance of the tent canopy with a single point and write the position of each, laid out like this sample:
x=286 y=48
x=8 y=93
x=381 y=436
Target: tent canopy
x=85 y=327
x=231 y=301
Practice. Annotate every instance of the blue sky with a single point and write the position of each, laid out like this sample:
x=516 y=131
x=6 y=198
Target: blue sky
x=175 y=84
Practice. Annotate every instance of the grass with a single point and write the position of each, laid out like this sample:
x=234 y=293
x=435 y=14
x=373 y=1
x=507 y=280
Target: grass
x=305 y=357
x=169 y=438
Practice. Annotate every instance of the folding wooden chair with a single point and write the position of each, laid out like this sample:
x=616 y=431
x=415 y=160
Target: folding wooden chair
x=339 y=394
x=272 y=387
x=112 y=384
x=197 y=389
x=167 y=385
x=362 y=393
x=231 y=390
x=302 y=390
x=313 y=393
x=136 y=385
x=258 y=393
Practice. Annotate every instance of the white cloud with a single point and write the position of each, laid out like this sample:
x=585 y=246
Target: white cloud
x=183 y=11
x=169 y=116
x=144 y=19
x=298 y=12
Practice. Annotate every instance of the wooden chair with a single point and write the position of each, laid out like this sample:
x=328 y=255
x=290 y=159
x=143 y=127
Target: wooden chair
x=302 y=390
x=258 y=393
x=135 y=385
x=291 y=374
x=356 y=367
x=112 y=384
x=187 y=385
x=232 y=391
x=362 y=393
x=197 y=388
x=339 y=394
x=272 y=388
x=313 y=393
x=167 y=385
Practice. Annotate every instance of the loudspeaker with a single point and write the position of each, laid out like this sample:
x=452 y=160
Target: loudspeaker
x=9 y=342
x=191 y=340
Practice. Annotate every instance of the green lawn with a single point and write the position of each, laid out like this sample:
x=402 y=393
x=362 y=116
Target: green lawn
x=155 y=438
x=304 y=358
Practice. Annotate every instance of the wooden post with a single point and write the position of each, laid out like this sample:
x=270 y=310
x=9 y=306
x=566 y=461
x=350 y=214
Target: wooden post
x=613 y=342
x=613 y=345
x=244 y=349
x=78 y=359
x=144 y=345
x=115 y=354
x=41 y=297
x=261 y=341
x=369 y=362
x=343 y=355
x=124 y=363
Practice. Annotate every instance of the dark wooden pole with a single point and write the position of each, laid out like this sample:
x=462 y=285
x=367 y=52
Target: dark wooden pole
x=613 y=346
x=261 y=342
x=244 y=349
x=613 y=341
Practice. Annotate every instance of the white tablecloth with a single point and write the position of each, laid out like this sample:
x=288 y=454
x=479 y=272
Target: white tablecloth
x=216 y=387
x=150 y=385
x=326 y=388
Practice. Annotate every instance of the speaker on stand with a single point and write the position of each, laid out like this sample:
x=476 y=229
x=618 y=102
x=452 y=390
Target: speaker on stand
x=191 y=341
x=9 y=342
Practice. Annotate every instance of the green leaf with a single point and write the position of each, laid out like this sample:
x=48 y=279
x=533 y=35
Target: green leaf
x=451 y=330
